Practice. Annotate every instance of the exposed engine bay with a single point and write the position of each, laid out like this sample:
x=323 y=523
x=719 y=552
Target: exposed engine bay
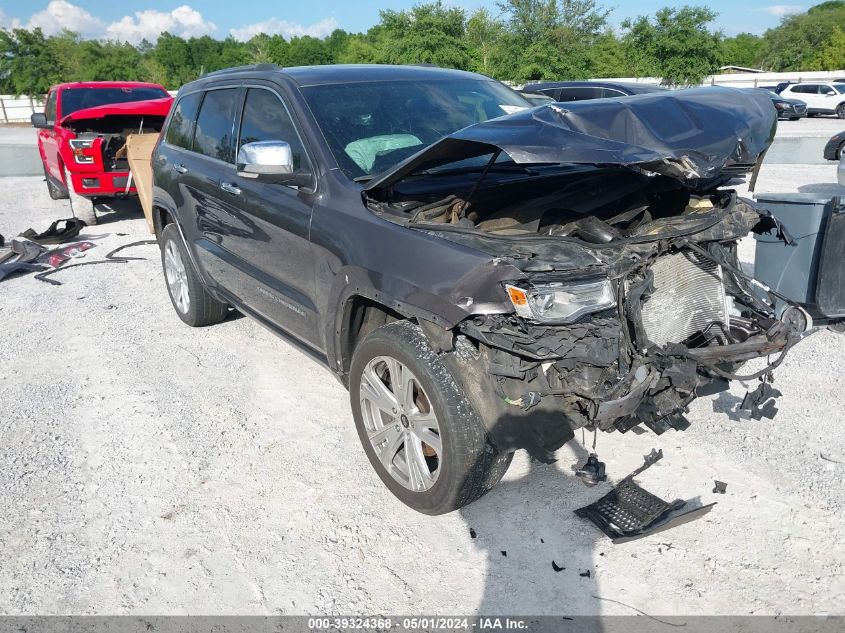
x=632 y=300
x=108 y=135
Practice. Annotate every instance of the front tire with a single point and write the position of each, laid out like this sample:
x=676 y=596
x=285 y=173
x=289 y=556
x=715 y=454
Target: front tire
x=419 y=431
x=82 y=207
x=840 y=110
x=192 y=302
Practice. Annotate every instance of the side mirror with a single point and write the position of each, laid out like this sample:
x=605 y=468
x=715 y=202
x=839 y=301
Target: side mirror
x=271 y=161
x=39 y=120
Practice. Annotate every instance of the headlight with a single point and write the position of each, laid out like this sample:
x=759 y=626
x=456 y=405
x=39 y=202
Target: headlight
x=780 y=105
x=78 y=147
x=561 y=302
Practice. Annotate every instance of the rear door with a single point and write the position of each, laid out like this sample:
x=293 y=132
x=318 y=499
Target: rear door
x=201 y=173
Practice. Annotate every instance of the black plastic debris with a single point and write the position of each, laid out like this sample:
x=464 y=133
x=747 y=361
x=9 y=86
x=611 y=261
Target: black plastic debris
x=719 y=487
x=629 y=512
x=557 y=567
x=585 y=574
x=761 y=402
x=472 y=533
x=593 y=471
x=505 y=553
x=70 y=228
x=110 y=259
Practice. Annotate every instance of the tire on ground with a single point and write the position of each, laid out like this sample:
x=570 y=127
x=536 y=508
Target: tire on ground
x=82 y=207
x=202 y=309
x=470 y=464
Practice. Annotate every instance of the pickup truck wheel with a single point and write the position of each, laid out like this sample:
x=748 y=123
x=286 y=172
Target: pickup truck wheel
x=192 y=302
x=419 y=431
x=82 y=207
x=55 y=191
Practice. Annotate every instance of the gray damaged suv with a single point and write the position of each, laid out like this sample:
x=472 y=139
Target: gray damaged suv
x=482 y=276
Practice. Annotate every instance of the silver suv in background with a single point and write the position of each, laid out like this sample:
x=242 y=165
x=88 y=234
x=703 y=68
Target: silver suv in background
x=821 y=97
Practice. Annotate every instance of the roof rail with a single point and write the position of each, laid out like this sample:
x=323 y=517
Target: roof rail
x=237 y=69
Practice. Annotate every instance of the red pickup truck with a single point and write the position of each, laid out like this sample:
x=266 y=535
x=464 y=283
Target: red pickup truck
x=82 y=138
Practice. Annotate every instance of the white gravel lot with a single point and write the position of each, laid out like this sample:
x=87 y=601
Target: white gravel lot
x=151 y=468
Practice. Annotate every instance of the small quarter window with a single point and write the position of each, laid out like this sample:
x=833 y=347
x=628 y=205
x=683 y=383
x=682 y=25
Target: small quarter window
x=181 y=125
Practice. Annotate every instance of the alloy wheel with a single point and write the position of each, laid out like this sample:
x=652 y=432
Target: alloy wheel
x=401 y=424
x=177 y=277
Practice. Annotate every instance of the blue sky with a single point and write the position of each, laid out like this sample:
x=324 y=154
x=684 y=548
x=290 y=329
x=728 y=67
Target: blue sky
x=242 y=18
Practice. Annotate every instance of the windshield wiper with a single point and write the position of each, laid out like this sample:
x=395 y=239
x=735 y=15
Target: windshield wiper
x=363 y=178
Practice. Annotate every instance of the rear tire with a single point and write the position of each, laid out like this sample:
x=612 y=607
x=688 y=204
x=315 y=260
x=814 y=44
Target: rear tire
x=192 y=302
x=81 y=207
x=840 y=110
x=419 y=430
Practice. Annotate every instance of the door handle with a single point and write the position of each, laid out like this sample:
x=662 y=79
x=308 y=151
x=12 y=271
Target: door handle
x=228 y=187
x=180 y=169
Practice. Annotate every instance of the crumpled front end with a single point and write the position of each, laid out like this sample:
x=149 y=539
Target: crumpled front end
x=683 y=320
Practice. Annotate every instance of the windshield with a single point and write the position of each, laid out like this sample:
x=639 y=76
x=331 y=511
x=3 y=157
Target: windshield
x=74 y=99
x=372 y=126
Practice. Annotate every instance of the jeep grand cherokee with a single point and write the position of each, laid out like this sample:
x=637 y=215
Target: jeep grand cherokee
x=483 y=276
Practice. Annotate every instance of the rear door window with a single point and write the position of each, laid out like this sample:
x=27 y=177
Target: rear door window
x=551 y=92
x=213 y=131
x=181 y=125
x=265 y=118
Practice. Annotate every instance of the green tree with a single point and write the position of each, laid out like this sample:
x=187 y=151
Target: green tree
x=484 y=35
x=832 y=54
x=744 y=49
x=428 y=33
x=795 y=44
x=675 y=45
x=27 y=64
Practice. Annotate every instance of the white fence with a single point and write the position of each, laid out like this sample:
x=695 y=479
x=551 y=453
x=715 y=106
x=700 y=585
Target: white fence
x=748 y=80
x=18 y=109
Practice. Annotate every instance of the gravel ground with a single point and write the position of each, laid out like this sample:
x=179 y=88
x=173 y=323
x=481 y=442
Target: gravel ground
x=151 y=468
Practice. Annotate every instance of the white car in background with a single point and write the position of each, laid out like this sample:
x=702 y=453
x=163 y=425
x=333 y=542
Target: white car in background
x=822 y=97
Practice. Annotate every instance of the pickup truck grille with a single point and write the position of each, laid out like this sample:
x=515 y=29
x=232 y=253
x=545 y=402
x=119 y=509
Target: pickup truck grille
x=689 y=296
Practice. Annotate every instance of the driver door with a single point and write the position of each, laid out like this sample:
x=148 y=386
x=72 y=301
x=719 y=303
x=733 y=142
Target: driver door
x=269 y=233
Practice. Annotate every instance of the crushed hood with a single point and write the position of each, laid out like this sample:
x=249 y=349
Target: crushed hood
x=151 y=107
x=690 y=135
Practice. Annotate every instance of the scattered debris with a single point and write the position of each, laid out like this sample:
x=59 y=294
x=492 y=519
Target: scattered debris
x=472 y=533
x=828 y=458
x=629 y=512
x=505 y=553
x=58 y=256
x=719 y=487
x=593 y=471
x=557 y=567
x=542 y=541
x=53 y=235
x=640 y=612
x=110 y=259
x=761 y=402
x=585 y=574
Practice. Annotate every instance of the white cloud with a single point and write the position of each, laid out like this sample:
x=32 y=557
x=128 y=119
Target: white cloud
x=60 y=15
x=781 y=10
x=8 y=22
x=286 y=29
x=183 y=21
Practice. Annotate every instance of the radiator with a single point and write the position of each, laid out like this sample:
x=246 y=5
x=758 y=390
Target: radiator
x=689 y=295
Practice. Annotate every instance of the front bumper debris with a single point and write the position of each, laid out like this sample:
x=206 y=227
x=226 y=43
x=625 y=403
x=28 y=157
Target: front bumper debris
x=629 y=512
